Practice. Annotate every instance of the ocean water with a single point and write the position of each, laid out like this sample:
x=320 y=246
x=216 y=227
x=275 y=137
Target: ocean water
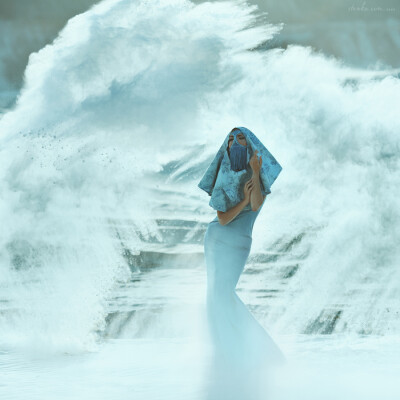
x=102 y=278
x=363 y=34
x=321 y=367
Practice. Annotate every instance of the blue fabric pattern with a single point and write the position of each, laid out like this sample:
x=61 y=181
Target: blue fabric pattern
x=238 y=155
x=224 y=185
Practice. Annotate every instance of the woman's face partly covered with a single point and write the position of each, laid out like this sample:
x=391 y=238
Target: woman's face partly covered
x=240 y=138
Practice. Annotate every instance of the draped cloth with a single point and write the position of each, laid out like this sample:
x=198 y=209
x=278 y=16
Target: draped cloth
x=224 y=185
x=242 y=349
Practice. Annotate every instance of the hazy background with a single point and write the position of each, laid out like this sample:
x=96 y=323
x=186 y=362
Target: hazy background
x=120 y=112
x=363 y=33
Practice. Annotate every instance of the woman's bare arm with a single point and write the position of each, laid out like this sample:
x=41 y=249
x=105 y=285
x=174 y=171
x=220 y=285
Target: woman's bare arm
x=256 y=197
x=227 y=216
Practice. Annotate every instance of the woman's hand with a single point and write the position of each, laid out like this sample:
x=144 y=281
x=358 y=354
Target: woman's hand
x=247 y=190
x=255 y=162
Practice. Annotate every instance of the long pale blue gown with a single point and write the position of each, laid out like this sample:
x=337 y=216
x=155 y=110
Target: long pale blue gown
x=238 y=339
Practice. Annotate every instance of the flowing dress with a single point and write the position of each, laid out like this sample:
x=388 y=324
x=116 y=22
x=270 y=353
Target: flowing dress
x=237 y=338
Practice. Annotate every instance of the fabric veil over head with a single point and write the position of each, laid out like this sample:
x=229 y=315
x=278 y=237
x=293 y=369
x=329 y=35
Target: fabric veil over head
x=224 y=185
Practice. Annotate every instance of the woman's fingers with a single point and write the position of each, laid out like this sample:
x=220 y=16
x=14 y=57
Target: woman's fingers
x=249 y=184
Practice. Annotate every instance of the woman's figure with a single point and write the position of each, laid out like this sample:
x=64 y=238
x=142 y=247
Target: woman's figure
x=238 y=183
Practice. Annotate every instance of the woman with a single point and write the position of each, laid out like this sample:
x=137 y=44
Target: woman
x=238 y=183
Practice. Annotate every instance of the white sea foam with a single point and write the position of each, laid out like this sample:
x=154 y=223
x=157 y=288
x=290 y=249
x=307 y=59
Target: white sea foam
x=128 y=87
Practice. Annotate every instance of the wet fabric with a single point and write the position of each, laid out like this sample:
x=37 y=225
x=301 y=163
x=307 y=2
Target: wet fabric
x=224 y=185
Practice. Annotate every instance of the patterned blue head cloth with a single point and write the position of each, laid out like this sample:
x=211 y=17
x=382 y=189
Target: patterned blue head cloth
x=224 y=185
